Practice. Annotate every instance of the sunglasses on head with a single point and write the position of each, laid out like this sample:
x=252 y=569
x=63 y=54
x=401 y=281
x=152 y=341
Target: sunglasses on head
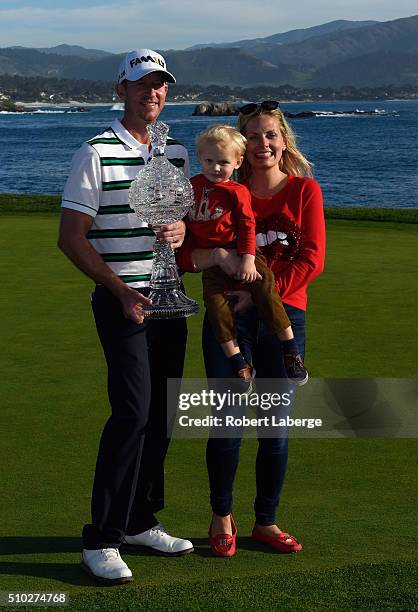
x=268 y=105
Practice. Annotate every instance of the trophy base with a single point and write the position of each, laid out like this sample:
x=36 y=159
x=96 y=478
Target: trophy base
x=169 y=304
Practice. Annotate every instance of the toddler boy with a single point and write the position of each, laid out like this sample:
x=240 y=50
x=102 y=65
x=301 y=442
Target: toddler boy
x=222 y=217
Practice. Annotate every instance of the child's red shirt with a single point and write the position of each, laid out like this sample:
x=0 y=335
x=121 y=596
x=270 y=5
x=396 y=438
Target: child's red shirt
x=222 y=213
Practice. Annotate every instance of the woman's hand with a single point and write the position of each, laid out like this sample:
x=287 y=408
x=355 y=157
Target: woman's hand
x=230 y=262
x=242 y=300
x=227 y=260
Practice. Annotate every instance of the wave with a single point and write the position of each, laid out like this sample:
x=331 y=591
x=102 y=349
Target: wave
x=331 y=114
x=354 y=113
x=34 y=112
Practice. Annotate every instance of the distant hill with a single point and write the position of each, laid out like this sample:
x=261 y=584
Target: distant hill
x=354 y=56
x=387 y=68
x=68 y=50
x=292 y=36
x=224 y=67
x=400 y=36
x=30 y=62
x=339 y=53
x=22 y=61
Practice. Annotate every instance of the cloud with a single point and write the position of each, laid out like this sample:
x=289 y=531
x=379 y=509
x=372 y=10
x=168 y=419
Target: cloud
x=118 y=26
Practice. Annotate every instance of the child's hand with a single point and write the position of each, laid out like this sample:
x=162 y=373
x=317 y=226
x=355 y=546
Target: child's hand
x=247 y=272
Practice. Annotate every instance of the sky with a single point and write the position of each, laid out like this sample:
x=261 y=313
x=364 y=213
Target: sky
x=118 y=26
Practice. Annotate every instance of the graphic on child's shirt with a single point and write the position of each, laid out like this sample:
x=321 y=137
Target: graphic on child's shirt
x=205 y=210
x=278 y=237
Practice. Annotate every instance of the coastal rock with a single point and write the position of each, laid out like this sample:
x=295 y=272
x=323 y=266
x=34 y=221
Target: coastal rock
x=9 y=106
x=78 y=109
x=215 y=109
x=301 y=115
x=225 y=109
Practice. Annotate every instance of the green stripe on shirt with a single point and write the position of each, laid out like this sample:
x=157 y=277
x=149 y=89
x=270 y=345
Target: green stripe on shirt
x=132 y=256
x=116 y=209
x=110 y=141
x=134 y=278
x=122 y=161
x=177 y=161
x=113 y=185
x=121 y=233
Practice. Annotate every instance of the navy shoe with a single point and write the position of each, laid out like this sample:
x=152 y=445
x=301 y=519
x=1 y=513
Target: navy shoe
x=296 y=371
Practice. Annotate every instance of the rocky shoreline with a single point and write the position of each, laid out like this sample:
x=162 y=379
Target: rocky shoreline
x=225 y=109
x=8 y=106
x=208 y=109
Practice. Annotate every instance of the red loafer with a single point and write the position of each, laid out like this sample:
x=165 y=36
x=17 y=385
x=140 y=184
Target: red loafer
x=283 y=542
x=224 y=544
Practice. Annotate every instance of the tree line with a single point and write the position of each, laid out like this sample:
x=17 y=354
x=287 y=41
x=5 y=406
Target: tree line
x=54 y=90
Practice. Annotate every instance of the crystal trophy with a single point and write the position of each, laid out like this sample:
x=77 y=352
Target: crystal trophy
x=161 y=194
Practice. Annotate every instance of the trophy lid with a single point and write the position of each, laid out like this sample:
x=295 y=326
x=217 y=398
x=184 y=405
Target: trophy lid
x=158 y=132
x=160 y=193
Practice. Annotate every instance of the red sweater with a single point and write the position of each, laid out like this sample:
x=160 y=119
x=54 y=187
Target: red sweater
x=221 y=214
x=290 y=230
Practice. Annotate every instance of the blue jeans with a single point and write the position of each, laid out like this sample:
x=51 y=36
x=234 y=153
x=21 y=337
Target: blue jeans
x=264 y=351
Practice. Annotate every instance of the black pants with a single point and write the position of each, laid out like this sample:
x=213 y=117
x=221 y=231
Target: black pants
x=129 y=479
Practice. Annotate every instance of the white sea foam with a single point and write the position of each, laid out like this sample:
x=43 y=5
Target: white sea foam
x=357 y=113
x=34 y=112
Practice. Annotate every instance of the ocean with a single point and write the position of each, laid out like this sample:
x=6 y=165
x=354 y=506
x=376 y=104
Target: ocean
x=359 y=160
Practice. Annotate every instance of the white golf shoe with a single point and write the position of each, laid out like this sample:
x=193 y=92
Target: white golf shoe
x=106 y=565
x=160 y=542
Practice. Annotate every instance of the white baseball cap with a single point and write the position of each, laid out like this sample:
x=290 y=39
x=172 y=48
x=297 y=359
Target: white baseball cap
x=140 y=62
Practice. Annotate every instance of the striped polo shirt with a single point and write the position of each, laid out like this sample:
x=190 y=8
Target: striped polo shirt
x=102 y=171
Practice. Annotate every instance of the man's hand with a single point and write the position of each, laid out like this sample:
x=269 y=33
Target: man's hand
x=173 y=233
x=242 y=300
x=132 y=303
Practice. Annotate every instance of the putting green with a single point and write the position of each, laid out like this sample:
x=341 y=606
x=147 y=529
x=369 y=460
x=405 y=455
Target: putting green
x=352 y=502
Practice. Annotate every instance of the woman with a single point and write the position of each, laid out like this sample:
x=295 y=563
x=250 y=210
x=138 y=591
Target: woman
x=288 y=209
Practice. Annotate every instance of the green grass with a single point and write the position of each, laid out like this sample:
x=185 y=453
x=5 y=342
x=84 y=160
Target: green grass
x=399 y=215
x=23 y=204
x=28 y=203
x=351 y=501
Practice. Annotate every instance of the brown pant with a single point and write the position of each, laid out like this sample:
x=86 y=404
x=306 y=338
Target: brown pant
x=263 y=292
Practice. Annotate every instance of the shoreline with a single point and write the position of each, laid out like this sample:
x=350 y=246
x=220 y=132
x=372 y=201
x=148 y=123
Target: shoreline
x=76 y=104
x=71 y=103
x=28 y=204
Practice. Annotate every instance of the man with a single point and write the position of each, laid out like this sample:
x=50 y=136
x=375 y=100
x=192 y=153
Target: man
x=101 y=235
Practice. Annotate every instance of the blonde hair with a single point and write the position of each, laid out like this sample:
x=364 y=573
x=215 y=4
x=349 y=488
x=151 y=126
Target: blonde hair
x=225 y=134
x=292 y=161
